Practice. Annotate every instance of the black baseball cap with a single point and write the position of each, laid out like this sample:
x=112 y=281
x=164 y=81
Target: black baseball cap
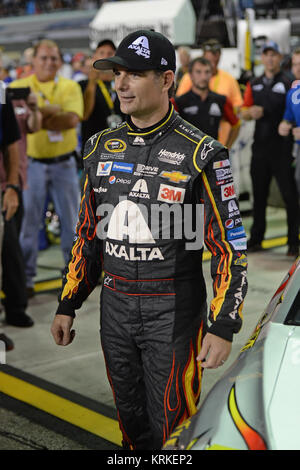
x=212 y=45
x=270 y=46
x=142 y=50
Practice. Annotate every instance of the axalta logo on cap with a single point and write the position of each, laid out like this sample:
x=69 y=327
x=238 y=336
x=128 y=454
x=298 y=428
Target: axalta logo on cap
x=141 y=47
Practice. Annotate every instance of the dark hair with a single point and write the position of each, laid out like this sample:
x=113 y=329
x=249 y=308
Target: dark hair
x=171 y=91
x=106 y=42
x=199 y=60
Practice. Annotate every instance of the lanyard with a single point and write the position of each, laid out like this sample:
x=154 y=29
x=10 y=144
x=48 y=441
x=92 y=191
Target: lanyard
x=106 y=94
x=47 y=100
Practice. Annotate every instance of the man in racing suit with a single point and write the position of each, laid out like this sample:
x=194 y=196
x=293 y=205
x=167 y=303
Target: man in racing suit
x=153 y=300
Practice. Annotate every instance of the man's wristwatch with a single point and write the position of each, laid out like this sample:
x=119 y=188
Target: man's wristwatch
x=16 y=187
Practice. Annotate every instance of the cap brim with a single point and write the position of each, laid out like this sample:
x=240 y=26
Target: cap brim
x=107 y=64
x=270 y=49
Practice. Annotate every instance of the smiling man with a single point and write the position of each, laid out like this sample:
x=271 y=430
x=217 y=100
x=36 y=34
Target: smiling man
x=154 y=330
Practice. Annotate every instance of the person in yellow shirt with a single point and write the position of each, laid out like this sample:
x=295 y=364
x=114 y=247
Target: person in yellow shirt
x=221 y=82
x=52 y=165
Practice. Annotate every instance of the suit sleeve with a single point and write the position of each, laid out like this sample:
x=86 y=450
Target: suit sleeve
x=84 y=269
x=288 y=112
x=225 y=238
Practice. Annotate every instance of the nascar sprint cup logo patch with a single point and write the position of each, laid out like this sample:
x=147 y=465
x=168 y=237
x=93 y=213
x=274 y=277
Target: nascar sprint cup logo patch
x=115 y=145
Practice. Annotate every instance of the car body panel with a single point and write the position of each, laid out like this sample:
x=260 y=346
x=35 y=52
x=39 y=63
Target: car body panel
x=250 y=406
x=284 y=414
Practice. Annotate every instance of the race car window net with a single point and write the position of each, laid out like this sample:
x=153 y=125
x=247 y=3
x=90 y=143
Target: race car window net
x=293 y=316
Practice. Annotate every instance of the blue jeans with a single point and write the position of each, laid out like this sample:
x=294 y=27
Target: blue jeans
x=61 y=181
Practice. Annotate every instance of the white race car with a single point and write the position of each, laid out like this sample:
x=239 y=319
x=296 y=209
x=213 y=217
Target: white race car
x=256 y=404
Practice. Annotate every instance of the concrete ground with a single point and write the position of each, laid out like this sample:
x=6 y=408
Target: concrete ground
x=77 y=372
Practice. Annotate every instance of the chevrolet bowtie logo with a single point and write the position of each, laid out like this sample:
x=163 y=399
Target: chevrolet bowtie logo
x=175 y=176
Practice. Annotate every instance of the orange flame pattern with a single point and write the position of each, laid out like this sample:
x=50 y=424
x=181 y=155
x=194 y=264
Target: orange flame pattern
x=86 y=226
x=187 y=389
x=251 y=437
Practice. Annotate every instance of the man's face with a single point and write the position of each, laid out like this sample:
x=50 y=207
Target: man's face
x=296 y=65
x=46 y=63
x=200 y=76
x=140 y=92
x=104 y=52
x=213 y=58
x=271 y=60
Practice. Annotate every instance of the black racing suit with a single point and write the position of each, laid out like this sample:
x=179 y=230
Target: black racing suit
x=153 y=300
x=271 y=155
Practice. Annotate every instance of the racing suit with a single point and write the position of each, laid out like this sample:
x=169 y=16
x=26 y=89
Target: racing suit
x=153 y=299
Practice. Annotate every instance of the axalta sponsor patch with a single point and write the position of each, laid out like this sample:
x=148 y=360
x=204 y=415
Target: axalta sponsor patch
x=241 y=261
x=221 y=164
x=239 y=243
x=104 y=169
x=227 y=191
x=238 y=232
x=233 y=209
x=170 y=194
x=139 y=141
x=141 y=47
x=140 y=190
x=115 y=145
x=175 y=176
x=133 y=253
x=124 y=167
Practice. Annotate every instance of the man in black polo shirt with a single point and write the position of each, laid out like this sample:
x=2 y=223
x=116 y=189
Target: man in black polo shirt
x=264 y=101
x=101 y=104
x=204 y=108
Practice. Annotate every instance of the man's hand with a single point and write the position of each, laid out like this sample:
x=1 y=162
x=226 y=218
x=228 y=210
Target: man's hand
x=50 y=110
x=296 y=133
x=32 y=102
x=61 y=330
x=256 y=112
x=284 y=128
x=10 y=203
x=217 y=349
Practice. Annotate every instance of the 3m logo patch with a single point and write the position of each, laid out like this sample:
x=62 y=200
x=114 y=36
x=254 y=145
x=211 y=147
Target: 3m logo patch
x=170 y=194
x=228 y=192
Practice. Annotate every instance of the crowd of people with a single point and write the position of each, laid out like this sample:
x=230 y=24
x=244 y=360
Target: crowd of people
x=36 y=7
x=52 y=116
